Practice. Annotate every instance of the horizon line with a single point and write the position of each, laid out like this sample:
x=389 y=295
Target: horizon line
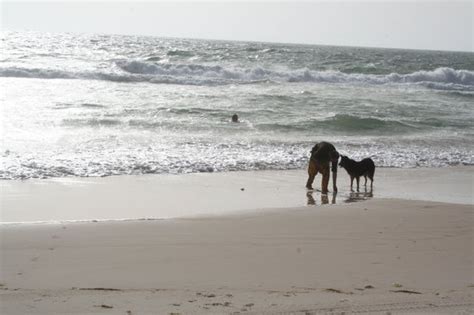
x=239 y=40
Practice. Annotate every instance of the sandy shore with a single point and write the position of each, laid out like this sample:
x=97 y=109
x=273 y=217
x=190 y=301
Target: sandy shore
x=172 y=196
x=375 y=256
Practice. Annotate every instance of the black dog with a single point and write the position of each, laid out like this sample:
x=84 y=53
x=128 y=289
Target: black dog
x=355 y=169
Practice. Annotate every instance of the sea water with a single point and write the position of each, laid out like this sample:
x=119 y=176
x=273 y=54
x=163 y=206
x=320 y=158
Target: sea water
x=99 y=105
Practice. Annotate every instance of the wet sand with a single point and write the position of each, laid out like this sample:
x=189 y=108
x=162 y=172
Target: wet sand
x=172 y=196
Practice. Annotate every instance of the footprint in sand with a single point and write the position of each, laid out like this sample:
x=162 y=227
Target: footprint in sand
x=331 y=290
x=211 y=295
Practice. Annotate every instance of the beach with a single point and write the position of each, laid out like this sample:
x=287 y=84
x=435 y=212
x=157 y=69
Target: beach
x=408 y=248
x=125 y=187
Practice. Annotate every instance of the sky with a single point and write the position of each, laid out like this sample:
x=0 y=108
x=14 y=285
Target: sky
x=434 y=25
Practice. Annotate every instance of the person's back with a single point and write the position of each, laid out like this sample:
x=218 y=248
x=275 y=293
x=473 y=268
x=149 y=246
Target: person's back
x=322 y=151
x=321 y=155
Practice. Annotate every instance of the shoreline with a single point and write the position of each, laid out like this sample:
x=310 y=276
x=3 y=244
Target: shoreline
x=155 y=197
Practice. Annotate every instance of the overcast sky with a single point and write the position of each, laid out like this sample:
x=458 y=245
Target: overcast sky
x=441 y=25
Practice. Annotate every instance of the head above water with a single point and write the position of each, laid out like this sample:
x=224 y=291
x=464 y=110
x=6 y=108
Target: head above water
x=235 y=118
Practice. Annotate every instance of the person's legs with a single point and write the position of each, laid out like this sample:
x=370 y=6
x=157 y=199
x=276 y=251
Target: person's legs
x=312 y=171
x=324 y=169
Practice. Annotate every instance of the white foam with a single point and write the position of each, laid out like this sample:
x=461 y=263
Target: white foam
x=200 y=74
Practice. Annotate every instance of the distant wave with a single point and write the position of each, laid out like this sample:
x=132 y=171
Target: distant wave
x=183 y=53
x=344 y=123
x=91 y=122
x=439 y=75
x=200 y=74
x=354 y=123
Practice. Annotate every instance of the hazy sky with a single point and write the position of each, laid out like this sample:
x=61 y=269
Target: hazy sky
x=443 y=25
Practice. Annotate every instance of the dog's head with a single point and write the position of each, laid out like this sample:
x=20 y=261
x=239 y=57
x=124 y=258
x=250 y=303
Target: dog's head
x=344 y=160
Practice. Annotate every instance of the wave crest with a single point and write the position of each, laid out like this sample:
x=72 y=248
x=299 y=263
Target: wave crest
x=202 y=74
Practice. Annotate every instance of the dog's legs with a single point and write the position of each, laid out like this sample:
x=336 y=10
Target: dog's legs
x=365 y=176
x=357 y=178
x=352 y=180
x=371 y=176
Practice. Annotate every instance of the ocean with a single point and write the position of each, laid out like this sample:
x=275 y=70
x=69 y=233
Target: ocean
x=100 y=105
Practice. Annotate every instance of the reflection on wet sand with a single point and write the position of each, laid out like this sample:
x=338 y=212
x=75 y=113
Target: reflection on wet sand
x=359 y=196
x=324 y=199
x=352 y=197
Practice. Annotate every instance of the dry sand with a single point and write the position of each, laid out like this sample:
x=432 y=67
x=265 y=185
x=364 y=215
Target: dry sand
x=377 y=256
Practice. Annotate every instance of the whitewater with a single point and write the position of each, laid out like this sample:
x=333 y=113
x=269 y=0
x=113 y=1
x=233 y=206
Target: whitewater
x=100 y=105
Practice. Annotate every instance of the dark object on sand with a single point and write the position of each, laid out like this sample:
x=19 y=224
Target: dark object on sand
x=104 y=306
x=322 y=154
x=355 y=169
x=98 y=289
x=235 y=118
x=406 y=291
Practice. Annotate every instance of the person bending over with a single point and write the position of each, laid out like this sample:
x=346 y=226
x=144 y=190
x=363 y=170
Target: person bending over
x=322 y=154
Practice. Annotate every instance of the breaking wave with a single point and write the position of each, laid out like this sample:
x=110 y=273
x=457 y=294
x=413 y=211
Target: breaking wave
x=200 y=74
x=219 y=157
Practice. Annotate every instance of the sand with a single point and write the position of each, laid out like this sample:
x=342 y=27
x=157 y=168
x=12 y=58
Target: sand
x=171 y=196
x=376 y=256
